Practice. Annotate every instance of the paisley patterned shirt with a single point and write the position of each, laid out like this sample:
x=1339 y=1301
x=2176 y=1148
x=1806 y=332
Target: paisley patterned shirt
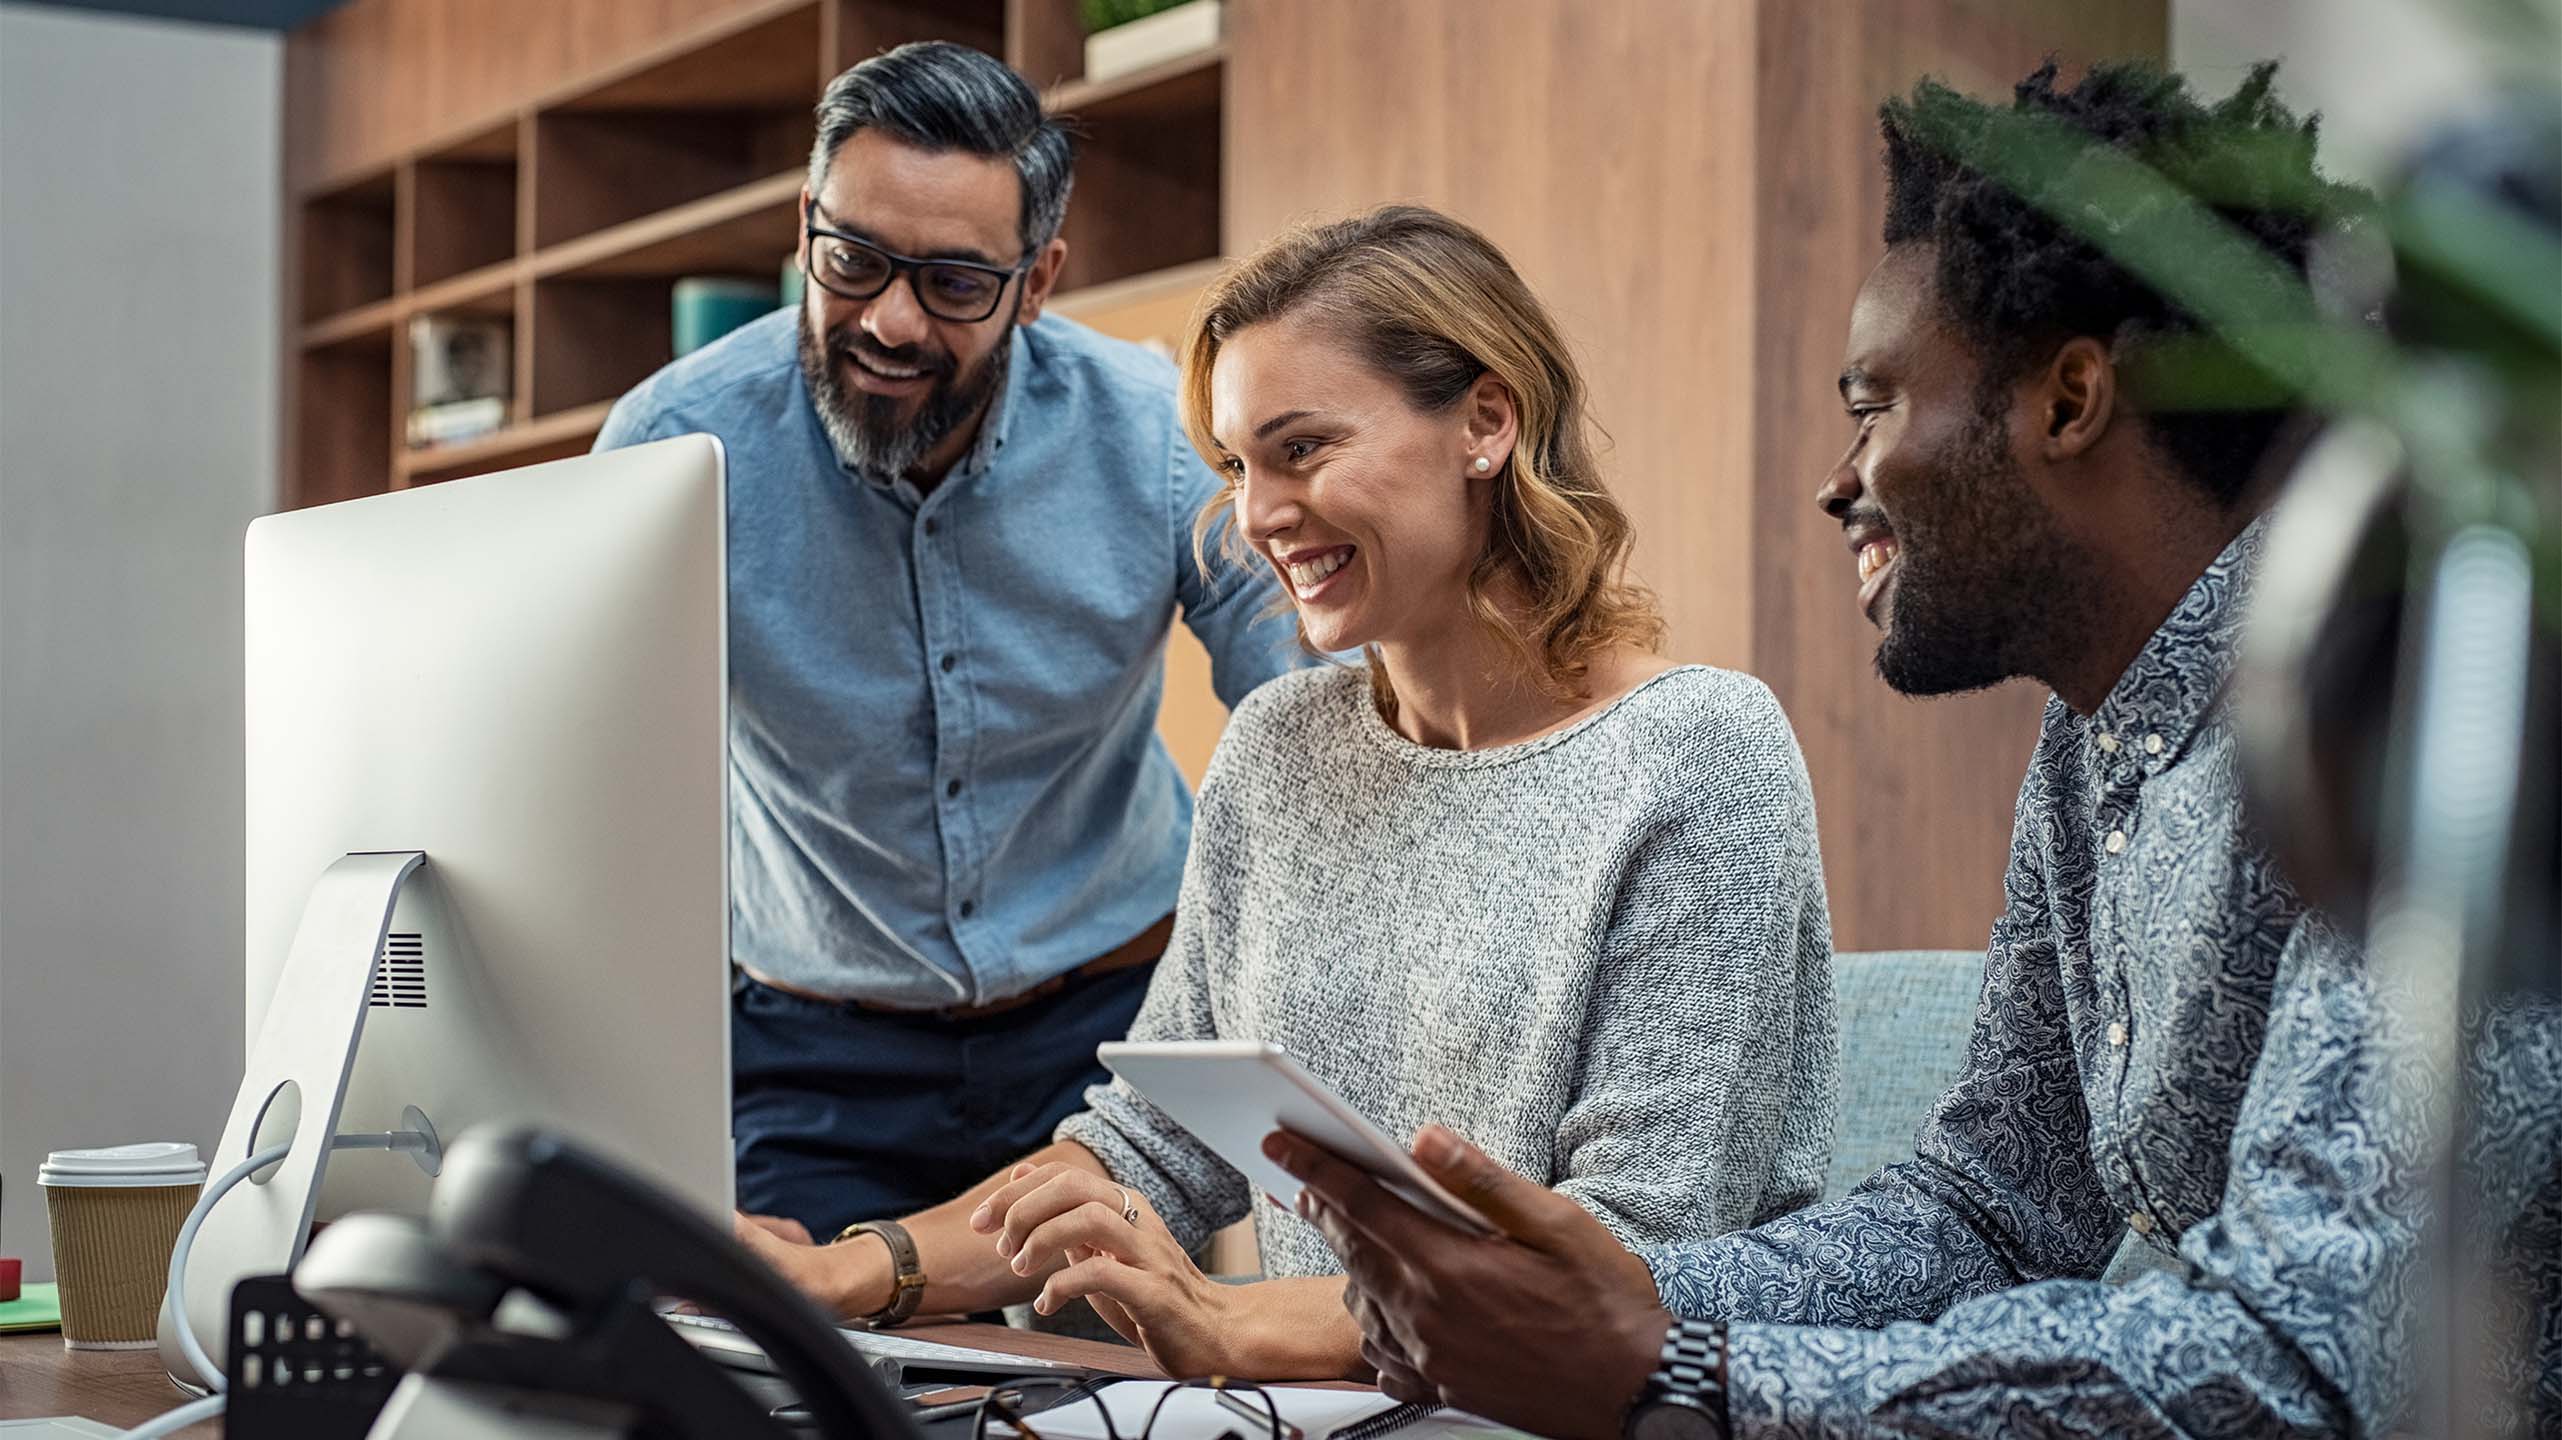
x=2167 y=1042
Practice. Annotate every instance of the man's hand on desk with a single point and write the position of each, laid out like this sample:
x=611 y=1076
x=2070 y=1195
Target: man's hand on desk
x=845 y=1280
x=1530 y=1327
x=792 y=1230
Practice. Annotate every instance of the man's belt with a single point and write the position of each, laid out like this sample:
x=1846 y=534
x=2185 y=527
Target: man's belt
x=1144 y=948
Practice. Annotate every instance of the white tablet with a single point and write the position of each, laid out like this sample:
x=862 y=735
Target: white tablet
x=1232 y=1093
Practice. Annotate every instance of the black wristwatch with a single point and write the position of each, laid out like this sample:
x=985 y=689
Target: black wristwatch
x=1685 y=1399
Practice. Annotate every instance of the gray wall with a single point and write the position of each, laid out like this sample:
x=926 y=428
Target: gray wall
x=138 y=362
x=2378 y=71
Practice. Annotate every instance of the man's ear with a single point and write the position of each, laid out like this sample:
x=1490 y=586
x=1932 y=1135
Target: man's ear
x=2077 y=398
x=801 y=240
x=1493 y=422
x=1043 y=275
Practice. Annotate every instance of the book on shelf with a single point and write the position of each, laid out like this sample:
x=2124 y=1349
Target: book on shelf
x=455 y=421
x=703 y=308
x=459 y=357
x=460 y=369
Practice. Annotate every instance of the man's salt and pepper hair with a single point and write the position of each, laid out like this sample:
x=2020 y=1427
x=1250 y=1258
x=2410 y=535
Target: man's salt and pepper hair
x=939 y=96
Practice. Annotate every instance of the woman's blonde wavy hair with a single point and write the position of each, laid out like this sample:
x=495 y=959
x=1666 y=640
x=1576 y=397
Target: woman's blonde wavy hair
x=1433 y=305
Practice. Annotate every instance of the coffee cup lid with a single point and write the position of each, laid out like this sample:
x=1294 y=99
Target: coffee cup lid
x=160 y=1162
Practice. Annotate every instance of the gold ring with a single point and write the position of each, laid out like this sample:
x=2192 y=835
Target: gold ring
x=1129 y=1207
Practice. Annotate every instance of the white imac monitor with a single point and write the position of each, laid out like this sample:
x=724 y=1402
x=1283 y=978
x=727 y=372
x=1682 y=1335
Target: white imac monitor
x=523 y=677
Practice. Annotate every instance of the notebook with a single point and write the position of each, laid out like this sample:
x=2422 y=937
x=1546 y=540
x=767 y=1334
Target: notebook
x=38 y=1307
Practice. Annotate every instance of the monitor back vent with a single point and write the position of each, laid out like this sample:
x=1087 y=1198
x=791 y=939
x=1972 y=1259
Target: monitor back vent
x=400 y=981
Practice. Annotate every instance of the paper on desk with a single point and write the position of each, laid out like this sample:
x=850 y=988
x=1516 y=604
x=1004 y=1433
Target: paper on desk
x=1196 y=1414
x=38 y=1307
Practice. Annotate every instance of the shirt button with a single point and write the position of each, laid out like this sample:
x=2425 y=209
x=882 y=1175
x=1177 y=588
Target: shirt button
x=969 y=908
x=952 y=789
x=929 y=525
x=2152 y=744
x=2116 y=1032
x=2116 y=841
x=2140 y=1223
x=949 y=661
x=2108 y=743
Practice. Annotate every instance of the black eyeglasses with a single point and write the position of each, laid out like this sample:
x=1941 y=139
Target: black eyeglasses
x=962 y=291
x=1016 y=1408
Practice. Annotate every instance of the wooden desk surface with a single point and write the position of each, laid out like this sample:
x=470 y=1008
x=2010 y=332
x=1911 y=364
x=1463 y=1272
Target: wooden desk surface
x=126 y=1387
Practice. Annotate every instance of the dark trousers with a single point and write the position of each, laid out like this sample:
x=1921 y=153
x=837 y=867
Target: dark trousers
x=843 y=1114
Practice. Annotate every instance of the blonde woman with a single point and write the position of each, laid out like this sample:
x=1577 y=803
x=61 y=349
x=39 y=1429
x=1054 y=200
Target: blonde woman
x=1516 y=872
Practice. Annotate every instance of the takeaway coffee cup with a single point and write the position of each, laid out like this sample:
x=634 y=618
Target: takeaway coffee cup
x=115 y=1215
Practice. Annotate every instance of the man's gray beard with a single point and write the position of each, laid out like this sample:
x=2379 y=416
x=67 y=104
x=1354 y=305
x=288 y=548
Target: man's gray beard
x=865 y=430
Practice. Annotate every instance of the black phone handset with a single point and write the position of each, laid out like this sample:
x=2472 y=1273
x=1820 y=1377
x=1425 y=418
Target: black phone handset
x=522 y=1211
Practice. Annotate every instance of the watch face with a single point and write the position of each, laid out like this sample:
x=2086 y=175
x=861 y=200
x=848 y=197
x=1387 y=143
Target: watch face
x=1672 y=1419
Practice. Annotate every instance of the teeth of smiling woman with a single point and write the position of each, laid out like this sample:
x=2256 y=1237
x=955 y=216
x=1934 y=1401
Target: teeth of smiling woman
x=1873 y=557
x=1306 y=573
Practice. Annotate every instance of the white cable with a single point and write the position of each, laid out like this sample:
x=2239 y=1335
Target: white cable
x=178 y=1419
x=206 y=1370
x=212 y=1405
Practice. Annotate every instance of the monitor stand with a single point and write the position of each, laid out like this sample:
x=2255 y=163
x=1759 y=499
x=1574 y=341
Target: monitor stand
x=291 y=1089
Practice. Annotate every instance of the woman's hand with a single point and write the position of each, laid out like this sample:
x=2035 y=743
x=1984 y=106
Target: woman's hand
x=1133 y=1272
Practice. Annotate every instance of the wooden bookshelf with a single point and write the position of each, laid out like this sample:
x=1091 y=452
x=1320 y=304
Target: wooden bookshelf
x=573 y=209
x=529 y=442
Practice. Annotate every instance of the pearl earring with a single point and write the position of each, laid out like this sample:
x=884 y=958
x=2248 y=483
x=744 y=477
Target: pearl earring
x=1484 y=465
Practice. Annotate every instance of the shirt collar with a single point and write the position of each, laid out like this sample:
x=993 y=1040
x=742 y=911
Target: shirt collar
x=2164 y=698
x=1000 y=407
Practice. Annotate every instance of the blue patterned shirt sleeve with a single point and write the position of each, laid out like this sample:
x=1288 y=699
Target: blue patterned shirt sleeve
x=2001 y=1192
x=2282 y=1328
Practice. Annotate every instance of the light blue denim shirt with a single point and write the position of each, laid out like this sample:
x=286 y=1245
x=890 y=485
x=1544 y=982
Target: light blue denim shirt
x=945 y=776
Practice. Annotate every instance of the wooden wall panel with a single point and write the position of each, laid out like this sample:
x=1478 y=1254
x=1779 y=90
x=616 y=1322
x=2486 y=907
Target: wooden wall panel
x=1602 y=146
x=1915 y=797
x=1694 y=189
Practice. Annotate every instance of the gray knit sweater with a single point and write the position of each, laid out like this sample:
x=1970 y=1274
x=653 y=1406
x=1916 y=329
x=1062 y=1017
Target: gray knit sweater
x=1601 y=954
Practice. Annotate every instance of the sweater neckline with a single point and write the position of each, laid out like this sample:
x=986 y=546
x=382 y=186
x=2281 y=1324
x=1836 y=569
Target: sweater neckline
x=1385 y=735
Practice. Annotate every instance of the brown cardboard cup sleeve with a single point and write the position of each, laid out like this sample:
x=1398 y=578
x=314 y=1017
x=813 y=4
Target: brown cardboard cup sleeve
x=115 y=1216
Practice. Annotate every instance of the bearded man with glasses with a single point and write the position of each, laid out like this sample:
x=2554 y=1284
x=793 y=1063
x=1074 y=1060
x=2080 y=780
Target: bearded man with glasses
x=959 y=533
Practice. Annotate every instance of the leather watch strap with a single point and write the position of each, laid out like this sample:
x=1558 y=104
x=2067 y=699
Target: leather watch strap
x=907 y=1287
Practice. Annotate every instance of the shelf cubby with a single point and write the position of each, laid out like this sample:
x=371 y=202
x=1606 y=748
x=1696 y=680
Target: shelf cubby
x=461 y=210
x=596 y=337
x=595 y=171
x=343 y=420
x=346 y=247
x=1147 y=170
x=735 y=110
x=867 y=27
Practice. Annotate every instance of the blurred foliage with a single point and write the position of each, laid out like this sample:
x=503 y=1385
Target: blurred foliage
x=2447 y=327
x=1104 y=14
